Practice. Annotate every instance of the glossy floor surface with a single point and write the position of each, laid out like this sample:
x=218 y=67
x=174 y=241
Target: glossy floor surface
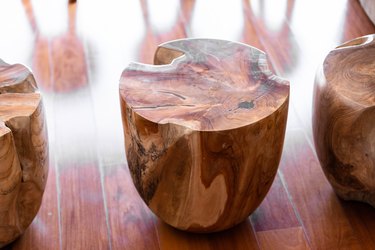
x=77 y=54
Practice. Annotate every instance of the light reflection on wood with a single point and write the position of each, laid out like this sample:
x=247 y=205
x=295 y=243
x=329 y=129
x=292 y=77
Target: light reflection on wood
x=59 y=62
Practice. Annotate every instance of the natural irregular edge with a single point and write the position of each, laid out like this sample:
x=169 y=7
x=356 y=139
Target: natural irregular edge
x=29 y=142
x=172 y=56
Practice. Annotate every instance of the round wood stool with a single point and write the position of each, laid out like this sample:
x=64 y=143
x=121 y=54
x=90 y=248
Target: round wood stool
x=23 y=151
x=344 y=119
x=204 y=130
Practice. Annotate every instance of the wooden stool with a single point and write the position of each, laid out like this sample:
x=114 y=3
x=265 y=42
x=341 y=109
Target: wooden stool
x=344 y=119
x=204 y=130
x=23 y=151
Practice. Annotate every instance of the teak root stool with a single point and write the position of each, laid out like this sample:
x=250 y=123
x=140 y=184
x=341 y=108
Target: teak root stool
x=23 y=151
x=204 y=130
x=344 y=119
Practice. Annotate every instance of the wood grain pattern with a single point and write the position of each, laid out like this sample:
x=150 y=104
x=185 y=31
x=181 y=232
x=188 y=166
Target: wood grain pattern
x=361 y=219
x=344 y=118
x=45 y=223
x=289 y=238
x=276 y=211
x=315 y=205
x=82 y=194
x=239 y=237
x=61 y=56
x=23 y=151
x=89 y=167
x=185 y=141
x=129 y=218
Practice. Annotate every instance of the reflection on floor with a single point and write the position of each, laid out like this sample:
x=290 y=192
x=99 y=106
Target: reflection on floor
x=77 y=52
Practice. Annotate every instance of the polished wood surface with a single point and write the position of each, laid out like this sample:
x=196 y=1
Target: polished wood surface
x=90 y=201
x=23 y=150
x=369 y=7
x=204 y=131
x=344 y=119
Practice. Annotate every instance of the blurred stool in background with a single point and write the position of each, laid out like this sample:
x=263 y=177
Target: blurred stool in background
x=344 y=119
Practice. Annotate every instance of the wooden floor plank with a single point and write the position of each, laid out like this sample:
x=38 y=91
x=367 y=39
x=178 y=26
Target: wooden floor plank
x=249 y=35
x=283 y=239
x=361 y=218
x=240 y=237
x=321 y=213
x=43 y=233
x=276 y=211
x=153 y=36
x=276 y=36
x=286 y=55
x=171 y=238
x=107 y=56
x=131 y=222
x=356 y=23
x=82 y=204
x=83 y=222
x=77 y=54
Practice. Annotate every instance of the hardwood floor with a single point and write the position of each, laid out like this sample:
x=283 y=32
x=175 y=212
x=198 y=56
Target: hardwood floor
x=77 y=53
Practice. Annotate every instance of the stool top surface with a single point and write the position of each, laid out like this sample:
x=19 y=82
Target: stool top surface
x=204 y=84
x=19 y=95
x=350 y=70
